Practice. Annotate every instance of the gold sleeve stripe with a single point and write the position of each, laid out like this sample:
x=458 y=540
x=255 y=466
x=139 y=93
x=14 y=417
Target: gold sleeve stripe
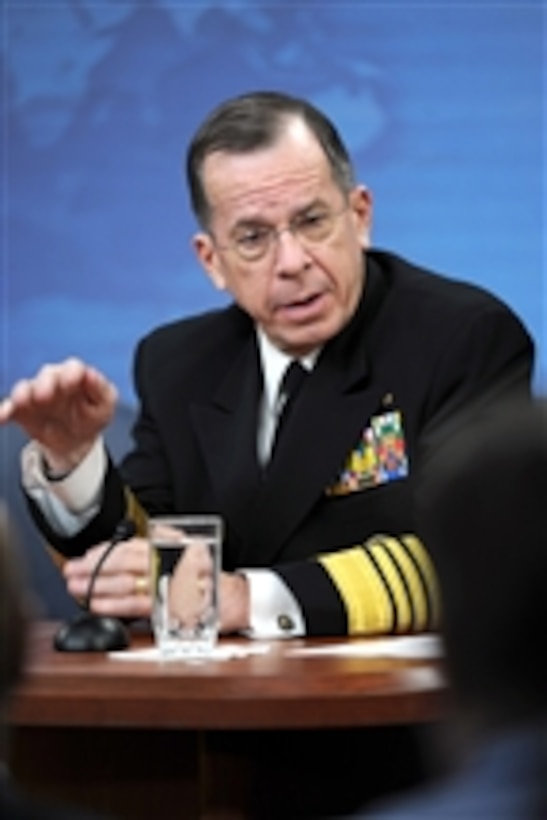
x=135 y=512
x=415 y=584
x=389 y=592
x=365 y=595
x=421 y=583
x=386 y=585
x=424 y=565
x=383 y=551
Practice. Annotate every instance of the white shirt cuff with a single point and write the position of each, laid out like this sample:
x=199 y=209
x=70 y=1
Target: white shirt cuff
x=275 y=612
x=68 y=504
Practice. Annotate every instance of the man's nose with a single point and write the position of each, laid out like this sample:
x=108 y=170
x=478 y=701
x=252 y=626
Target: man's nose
x=291 y=256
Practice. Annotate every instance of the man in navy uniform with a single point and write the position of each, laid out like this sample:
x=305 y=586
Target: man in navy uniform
x=314 y=483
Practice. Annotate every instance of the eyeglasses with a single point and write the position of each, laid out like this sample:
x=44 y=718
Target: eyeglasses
x=254 y=242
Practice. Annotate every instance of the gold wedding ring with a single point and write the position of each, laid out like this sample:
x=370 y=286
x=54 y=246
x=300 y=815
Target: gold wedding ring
x=141 y=585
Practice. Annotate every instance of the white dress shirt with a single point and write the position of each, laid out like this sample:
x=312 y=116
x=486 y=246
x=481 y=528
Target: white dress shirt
x=70 y=503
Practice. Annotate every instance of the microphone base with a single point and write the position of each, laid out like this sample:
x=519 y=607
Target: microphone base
x=92 y=633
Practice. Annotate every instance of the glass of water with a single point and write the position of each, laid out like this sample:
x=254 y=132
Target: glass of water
x=185 y=560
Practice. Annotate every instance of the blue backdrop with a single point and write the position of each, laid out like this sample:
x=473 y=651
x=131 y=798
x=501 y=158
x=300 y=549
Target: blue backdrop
x=440 y=103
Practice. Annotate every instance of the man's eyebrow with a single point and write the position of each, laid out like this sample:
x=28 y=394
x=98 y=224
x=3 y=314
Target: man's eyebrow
x=249 y=222
x=315 y=203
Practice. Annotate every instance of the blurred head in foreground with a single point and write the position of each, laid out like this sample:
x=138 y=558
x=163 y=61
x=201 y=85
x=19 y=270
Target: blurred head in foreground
x=482 y=507
x=12 y=610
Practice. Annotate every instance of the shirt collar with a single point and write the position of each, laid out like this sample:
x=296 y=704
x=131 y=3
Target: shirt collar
x=275 y=362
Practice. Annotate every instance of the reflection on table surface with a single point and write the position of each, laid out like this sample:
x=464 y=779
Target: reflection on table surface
x=295 y=683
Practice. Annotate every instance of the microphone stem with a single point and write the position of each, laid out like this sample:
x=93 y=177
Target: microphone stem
x=125 y=530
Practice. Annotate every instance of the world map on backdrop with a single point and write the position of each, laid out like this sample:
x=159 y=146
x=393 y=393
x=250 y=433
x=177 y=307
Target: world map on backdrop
x=440 y=105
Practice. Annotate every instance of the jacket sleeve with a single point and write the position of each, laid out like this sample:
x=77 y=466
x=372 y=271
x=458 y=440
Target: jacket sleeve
x=385 y=586
x=118 y=502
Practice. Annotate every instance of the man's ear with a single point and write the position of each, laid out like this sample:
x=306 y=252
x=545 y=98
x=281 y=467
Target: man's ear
x=360 y=200
x=205 y=250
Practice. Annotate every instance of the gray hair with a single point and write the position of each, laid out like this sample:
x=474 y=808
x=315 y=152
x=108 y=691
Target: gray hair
x=256 y=120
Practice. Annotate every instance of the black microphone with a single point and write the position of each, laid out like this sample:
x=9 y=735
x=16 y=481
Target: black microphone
x=96 y=633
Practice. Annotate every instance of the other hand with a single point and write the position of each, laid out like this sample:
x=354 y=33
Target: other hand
x=122 y=587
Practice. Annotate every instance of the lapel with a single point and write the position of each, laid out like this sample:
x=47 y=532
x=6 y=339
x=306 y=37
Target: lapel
x=226 y=430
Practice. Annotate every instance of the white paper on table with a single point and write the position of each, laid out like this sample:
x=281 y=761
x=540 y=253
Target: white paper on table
x=222 y=652
x=403 y=646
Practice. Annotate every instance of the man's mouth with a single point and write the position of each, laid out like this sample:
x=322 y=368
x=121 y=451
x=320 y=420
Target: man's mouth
x=302 y=309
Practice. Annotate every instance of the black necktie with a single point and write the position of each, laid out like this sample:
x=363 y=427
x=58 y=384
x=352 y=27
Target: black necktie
x=291 y=383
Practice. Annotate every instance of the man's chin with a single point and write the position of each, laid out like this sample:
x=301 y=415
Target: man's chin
x=303 y=340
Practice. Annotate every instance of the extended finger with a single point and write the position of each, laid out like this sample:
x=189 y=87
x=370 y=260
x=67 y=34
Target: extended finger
x=20 y=405
x=28 y=394
x=21 y=395
x=49 y=383
x=44 y=384
x=130 y=606
x=70 y=378
x=131 y=556
x=73 y=374
x=6 y=409
x=123 y=585
x=121 y=595
x=98 y=389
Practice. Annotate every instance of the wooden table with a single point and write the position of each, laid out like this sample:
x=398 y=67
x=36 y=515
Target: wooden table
x=145 y=739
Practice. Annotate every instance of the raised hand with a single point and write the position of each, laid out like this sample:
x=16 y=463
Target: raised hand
x=64 y=408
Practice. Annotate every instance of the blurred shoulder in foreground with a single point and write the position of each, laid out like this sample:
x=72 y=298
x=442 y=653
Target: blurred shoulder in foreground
x=482 y=511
